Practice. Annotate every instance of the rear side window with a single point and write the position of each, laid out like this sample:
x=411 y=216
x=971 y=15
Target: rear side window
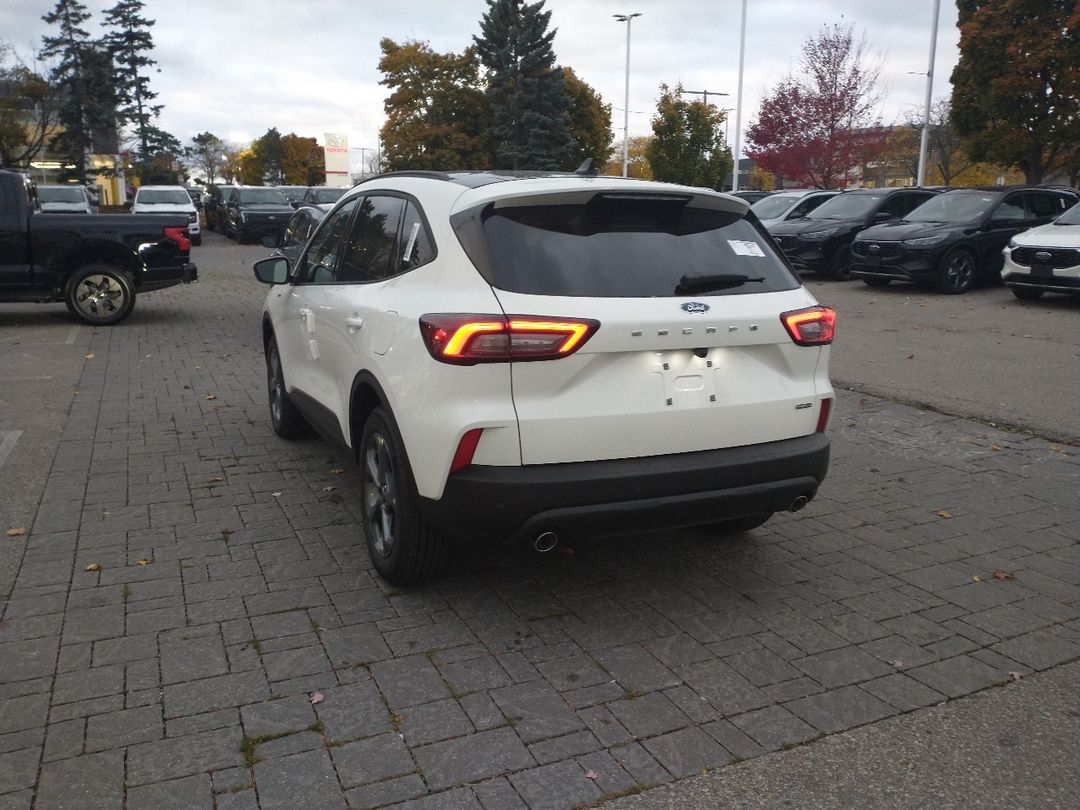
x=618 y=246
x=369 y=252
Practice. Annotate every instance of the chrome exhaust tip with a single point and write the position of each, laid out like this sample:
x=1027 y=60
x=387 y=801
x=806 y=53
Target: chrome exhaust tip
x=798 y=503
x=545 y=541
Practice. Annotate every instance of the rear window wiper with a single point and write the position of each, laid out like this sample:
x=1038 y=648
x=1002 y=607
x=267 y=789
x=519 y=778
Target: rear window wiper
x=692 y=282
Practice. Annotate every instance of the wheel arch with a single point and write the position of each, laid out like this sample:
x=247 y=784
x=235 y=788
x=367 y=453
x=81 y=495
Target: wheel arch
x=94 y=252
x=366 y=395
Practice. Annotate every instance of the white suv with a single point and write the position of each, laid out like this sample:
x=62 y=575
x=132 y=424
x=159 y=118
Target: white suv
x=168 y=200
x=539 y=356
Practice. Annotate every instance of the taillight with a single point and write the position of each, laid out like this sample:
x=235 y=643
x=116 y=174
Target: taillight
x=470 y=339
x=814 y=326
x=823 y=414
x=180 y=236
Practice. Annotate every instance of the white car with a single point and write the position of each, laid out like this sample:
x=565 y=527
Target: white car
x=64 y=200
x=785 y=205
x=548 y=356
x=1045 y=259
x=168 y=200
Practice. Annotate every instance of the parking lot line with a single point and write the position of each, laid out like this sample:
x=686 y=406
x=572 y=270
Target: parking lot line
x=7 y=444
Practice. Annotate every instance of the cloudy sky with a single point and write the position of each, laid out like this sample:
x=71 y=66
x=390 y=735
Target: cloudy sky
x=310 y=66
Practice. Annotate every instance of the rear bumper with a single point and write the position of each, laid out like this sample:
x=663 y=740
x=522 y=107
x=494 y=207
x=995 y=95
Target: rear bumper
x=160 y=279
x=612 y=497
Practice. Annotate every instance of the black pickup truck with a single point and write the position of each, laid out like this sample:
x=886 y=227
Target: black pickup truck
x=94 y=263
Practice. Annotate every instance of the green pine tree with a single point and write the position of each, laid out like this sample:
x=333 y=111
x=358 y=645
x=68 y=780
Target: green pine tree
x=525 y=89
x=130 y=43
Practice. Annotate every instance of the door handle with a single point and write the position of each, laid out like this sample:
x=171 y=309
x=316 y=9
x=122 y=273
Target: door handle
x=354 y=322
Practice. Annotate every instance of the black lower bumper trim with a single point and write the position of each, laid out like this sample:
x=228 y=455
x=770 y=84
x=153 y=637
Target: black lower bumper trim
x=612 y=497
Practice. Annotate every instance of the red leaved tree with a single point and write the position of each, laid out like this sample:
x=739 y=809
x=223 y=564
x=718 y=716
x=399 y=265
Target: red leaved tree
x=821 y=127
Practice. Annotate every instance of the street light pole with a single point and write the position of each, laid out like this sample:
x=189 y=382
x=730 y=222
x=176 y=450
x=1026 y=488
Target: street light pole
x=628 y=19
x=929 y=92
x=738 y=103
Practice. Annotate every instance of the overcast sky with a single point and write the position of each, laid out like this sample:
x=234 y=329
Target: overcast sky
x=310 y=66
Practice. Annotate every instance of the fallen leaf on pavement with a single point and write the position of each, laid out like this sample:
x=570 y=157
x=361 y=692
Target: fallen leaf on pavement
x=276 y=494
x=15 y=532
x=215 y=479
x=1016 y=675
x=145 y=562
x=211 y=396
x=995 y=448
x=328 y=489
x=337 y=471
x=898 y=664
x=592 y=775
x=1003 y=575
x=1056 y=448
x=317 y=697
x=92 y=567
x=90 y=356
x=944 y=514
x=976 y=579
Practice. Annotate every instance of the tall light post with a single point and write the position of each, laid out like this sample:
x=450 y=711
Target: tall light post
x=929 y=93
x=628 y=19
x=738 y=103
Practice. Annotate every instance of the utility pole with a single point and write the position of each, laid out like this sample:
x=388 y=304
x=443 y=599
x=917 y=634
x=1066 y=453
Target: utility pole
x=628 y=19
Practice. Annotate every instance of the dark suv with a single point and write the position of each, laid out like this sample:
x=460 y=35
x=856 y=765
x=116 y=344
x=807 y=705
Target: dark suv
x=954 y=239
x=256 y=211
x=822 y=240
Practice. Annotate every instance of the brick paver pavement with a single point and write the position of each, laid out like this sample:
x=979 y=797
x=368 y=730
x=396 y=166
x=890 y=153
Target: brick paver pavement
x=234 y=585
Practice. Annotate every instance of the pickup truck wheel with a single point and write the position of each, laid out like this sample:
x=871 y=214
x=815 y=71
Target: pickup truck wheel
x=285 y=419
x=403 y=548
x=100 y=294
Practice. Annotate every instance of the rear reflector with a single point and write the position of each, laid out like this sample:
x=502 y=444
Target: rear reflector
x=823 y=415
x=470 y=339
x=180 y=236
x=465 y=450
x=814 y=326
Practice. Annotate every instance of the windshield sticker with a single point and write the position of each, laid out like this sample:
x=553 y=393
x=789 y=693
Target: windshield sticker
x=744 y=248
x=411 y=243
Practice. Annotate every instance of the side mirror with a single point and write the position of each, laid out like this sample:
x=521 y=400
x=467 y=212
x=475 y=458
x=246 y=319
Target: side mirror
x=274 y=270
x=269 y=242
x=883 y=216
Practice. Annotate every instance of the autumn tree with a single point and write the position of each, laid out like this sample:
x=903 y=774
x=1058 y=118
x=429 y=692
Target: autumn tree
x=688 y=143
x=437 y=113
x=589 y=124
x=525 y=90
x=83 y=72
x=264 y=165
x=27 y=110
x=205 y=153
x=819 y=126
x=302 y=161
x=1016 y=85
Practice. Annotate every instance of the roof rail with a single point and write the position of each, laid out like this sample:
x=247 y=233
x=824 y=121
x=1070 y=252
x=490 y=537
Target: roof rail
x=430 y=175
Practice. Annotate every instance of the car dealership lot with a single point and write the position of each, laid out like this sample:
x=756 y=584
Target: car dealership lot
x=236 y=650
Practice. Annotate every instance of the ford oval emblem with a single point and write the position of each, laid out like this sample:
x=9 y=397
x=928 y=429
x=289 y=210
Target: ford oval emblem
x=1043 y=256
x=694 y=307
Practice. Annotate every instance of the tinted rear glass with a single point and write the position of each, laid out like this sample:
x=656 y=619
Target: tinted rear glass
x=61 y=194
x=618 y=246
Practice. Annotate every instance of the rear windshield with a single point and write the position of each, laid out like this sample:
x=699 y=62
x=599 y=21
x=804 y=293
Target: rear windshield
x=165 y=196
x=619 y=246
x=61 y=194
x=326 y=195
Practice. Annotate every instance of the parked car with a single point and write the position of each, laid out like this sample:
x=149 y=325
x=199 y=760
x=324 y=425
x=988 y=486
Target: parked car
x=214 y=206
x=751 y=196
x=662 y=366
x=168 y=200
x=821 y=241
x=785 y=205
x=296 y=234
x=196 y=195
x=320 y=195
x=64 y=200
x=294 y=194
x=256 y=211
x=1045 y=258
x=96 y=264
x=954 y=239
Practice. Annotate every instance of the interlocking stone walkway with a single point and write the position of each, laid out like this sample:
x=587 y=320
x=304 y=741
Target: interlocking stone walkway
x=233 y=585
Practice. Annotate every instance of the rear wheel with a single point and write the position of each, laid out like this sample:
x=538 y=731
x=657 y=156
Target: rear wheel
x=1027 y=293
x=100 y=294
x=285 y=419
x=956 y=273
x=403 y=548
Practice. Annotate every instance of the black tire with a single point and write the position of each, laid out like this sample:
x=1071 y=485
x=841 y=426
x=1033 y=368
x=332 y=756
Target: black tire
x=740 y=525
x=956 y=271
x=404 y=549
x=840 y=264
x=1027 y=293
x=285 y=419
x=875 y=281
x=100 y=294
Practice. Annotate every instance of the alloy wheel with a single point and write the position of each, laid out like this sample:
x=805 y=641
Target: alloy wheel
x=380 y=495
